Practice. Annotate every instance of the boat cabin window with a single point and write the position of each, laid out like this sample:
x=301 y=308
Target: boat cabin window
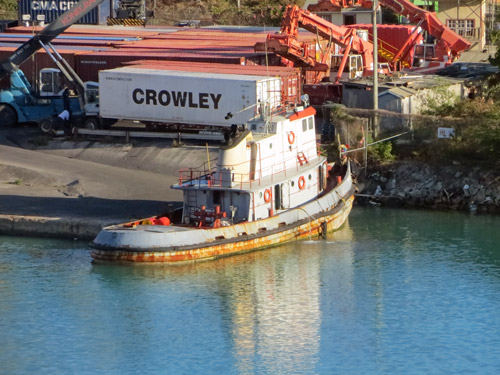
x=310 y=123
x=304 y=125
x=278 y=202
x=216 y=197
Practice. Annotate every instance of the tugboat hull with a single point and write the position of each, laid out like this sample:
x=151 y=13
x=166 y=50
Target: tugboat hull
x=269 y=187
x=130 y=245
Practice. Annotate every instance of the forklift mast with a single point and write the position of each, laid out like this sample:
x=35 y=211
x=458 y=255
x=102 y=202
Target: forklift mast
x=44 y=37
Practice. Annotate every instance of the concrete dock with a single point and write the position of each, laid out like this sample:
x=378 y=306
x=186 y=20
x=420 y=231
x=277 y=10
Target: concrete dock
x=71 y=189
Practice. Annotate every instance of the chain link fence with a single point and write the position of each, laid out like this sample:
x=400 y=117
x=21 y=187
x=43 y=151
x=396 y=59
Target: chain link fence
x=419 y=135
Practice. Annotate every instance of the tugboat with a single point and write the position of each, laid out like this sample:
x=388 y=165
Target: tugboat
x=270 y=186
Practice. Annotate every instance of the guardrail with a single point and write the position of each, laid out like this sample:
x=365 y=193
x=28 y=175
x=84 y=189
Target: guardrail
x=127 y=134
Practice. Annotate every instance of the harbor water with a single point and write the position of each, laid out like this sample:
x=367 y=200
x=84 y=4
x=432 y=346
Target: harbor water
x=393 y=292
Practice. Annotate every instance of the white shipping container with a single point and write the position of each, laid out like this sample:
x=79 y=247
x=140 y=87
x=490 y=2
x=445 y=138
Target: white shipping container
x=185 y=97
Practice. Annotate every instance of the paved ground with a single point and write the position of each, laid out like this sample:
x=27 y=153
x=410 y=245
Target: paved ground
x=477 y=56
x=89 y=179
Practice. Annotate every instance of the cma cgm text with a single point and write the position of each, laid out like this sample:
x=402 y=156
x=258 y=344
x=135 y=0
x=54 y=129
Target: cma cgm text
x=176 y=98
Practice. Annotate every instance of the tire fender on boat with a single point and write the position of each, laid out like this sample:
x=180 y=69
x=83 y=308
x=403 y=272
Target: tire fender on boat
x=302 y=182
x=267 y=195
x=291 y=137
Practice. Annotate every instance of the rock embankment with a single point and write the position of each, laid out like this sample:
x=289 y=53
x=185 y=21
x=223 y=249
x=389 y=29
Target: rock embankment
x=418 y=185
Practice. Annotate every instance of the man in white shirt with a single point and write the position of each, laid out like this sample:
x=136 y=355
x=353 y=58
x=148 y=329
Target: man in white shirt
x=63 y=121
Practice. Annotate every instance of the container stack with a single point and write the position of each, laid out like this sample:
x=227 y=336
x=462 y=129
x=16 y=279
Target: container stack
x=91 y=49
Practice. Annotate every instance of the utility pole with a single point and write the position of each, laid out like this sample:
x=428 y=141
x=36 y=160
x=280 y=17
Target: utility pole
x=375 y=56
x=375 y=79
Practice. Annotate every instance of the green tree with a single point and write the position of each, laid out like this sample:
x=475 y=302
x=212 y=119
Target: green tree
x=250 y=12
x=8 y=6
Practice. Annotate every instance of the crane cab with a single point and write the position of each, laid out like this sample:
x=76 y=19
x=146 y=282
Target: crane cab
x=353 y=68
x=50 y=83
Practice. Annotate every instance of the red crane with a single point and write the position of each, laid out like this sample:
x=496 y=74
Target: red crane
x=448 y=46
x=287 y=44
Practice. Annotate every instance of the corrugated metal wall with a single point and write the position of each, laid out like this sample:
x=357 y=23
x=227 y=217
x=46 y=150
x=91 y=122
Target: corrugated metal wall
x=54 y=8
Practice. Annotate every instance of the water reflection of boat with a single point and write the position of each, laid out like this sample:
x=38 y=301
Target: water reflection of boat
x=268 y=304
x=270 y=186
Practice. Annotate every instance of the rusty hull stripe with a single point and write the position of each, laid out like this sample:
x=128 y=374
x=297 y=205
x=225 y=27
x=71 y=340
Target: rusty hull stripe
x=334 y=220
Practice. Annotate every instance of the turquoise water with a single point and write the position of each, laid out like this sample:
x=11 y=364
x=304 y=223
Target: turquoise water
x=394 y=292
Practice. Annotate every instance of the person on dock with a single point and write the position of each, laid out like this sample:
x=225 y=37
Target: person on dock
x=63 y=122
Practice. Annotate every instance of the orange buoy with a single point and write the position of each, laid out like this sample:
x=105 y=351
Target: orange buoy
x=302 y=182
x=267 y=195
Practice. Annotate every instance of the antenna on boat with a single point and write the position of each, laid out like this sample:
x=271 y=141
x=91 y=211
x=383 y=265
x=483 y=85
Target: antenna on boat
x=208 y=158
x=267 y=115
x=267 y=109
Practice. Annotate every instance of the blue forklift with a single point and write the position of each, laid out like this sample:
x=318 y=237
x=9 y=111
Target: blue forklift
x=22 y=103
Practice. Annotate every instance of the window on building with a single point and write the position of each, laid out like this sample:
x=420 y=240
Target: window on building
x=349 y=19
x=327 y=17
x=463 y=27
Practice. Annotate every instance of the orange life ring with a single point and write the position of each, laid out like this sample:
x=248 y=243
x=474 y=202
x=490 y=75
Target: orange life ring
x=267 y=195
x=302 y=182
x=291 y=137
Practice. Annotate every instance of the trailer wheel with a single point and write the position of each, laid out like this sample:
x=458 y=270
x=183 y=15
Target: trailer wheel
x=8 y=116
x=46 y=126
x=92 y=123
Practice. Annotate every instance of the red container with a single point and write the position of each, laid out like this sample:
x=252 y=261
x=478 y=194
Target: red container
x=321 y=92
x=391 y=38
x=88 y=64
x=39 y=60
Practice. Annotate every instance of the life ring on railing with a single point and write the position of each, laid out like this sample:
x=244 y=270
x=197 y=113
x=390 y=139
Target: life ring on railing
x=267 y=195
x=291 y=137
x=302 y=182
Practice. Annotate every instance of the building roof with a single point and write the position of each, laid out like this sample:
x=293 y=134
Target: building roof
x=400 y=92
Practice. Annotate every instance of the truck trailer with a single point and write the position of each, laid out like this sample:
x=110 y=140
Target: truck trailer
x=186 y=98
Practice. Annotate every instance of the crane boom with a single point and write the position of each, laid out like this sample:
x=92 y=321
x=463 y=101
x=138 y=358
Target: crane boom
x=45 y=36
x=427 y=20
x=430 y=23
x=286 y=43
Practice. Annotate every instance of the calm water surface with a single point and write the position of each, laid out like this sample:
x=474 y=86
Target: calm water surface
x=394 y=292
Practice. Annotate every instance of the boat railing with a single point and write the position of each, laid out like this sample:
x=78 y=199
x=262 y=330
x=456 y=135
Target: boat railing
x=199 y=178
x=224 y=177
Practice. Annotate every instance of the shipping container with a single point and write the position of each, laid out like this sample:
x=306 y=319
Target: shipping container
x=192 y=98
x=32 y=66
x=323 y=92
x=391 y=39
x=52 y=9
x=290 y=77
x=89 y=64
x=91 y=31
